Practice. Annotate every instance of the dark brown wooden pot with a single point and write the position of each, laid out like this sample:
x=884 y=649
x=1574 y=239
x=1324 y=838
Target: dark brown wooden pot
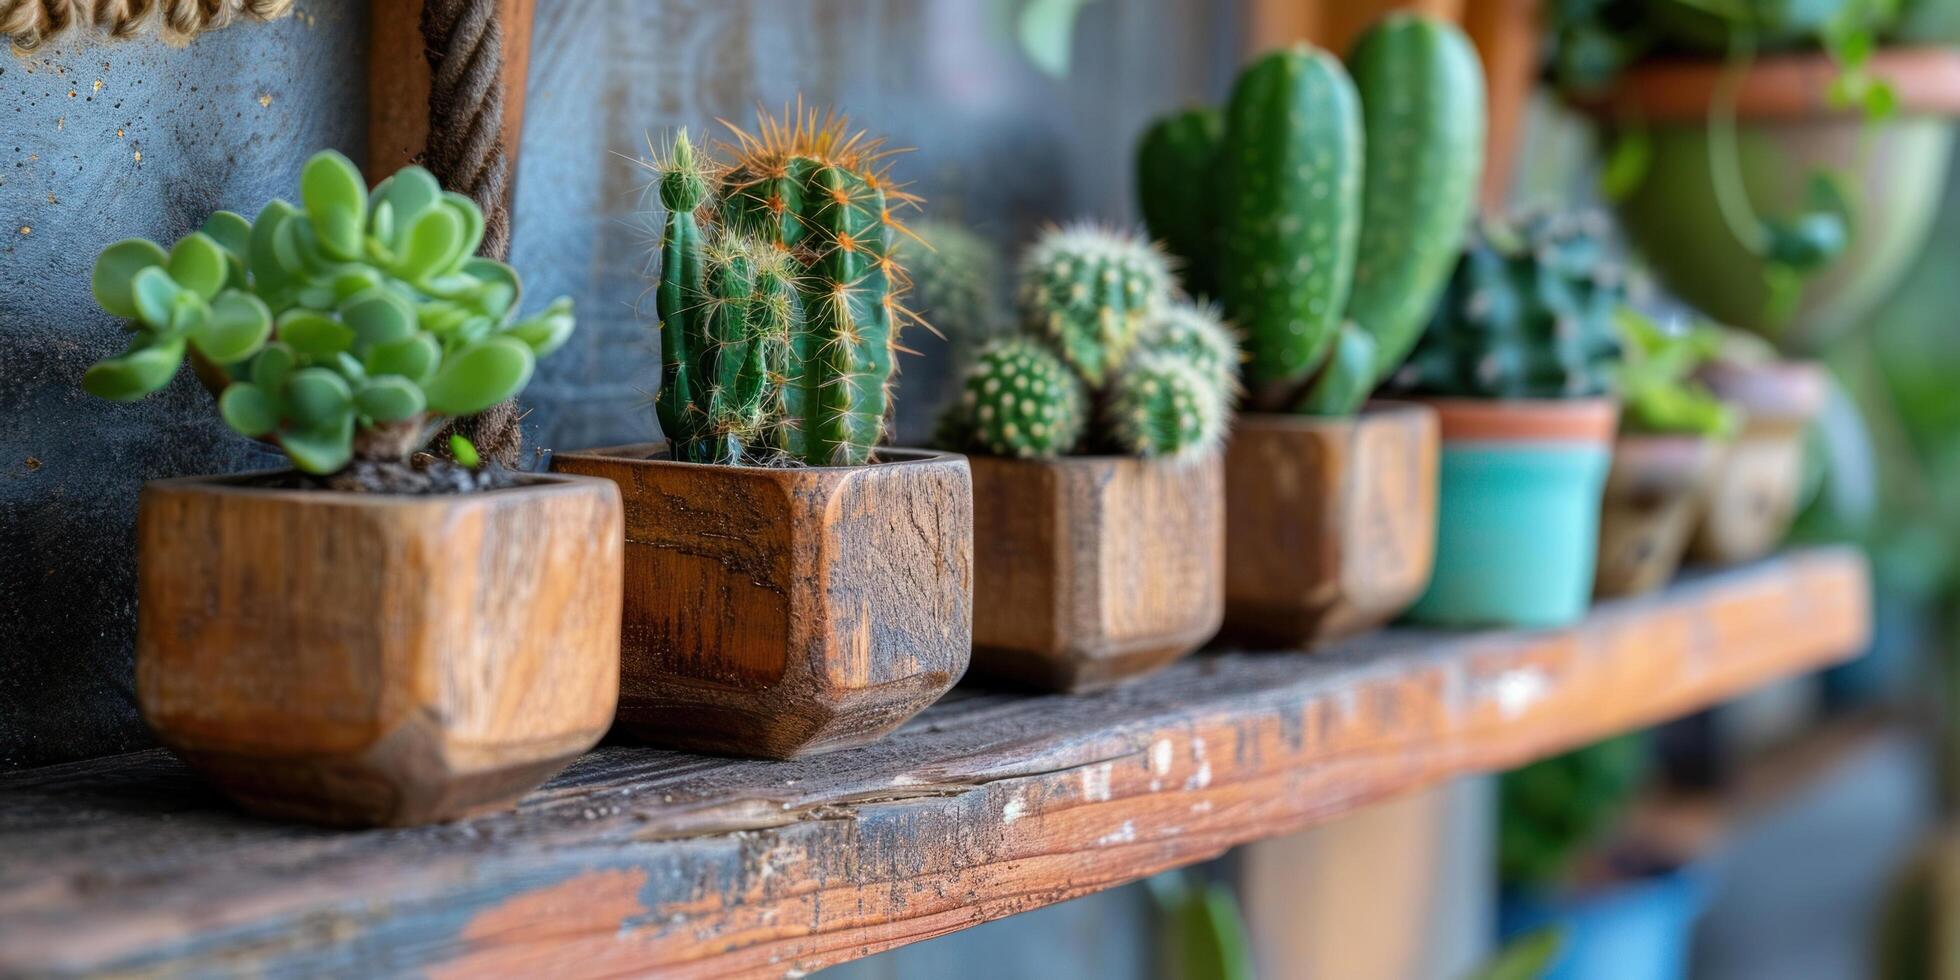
x=371 y=659
x=1090 y=570
x=785 y=612
x=1652 y=499
x=1748 y=506
x=1330 y=524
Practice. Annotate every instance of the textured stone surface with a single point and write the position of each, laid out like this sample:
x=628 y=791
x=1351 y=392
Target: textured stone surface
x=227 y=121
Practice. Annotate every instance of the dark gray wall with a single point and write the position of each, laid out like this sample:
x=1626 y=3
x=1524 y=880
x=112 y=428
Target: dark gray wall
x=227 y=121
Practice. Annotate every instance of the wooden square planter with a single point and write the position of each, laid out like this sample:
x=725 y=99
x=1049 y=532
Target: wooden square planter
x=371 y=659
x=1091 y=570
x=784 y=612
x=1330 y=524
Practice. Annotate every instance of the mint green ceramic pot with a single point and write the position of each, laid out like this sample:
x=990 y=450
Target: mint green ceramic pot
x=1518 y=518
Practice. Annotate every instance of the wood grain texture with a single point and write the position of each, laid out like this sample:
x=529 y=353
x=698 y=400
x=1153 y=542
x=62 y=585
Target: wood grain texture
x=1649 y=508
x=398 y=82
x=782 y=612
x=1091 y=570
x=1330 y=524
x=643 y=861
x=375 y=659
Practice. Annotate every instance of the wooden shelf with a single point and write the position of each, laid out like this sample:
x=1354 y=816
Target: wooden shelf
x=638 y=860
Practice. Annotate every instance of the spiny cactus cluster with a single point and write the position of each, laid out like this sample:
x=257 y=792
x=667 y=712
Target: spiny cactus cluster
x=347 y=327
x=1529 y=313
x=1102 y=337
x=1324 y=210
x=778 y=294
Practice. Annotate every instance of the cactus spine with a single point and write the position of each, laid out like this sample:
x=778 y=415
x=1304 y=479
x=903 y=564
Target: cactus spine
x=1020 y=400
x=1422 y=111
x=1289 y=183
x=1089 y=291
x=778 y=323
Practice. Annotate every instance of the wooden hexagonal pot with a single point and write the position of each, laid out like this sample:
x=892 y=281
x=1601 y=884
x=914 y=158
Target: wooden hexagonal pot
x=1090 y=570
x=1330 y=523
x=1749 y=505
x=1649 y=508
x=780 y=612
x=374 y=659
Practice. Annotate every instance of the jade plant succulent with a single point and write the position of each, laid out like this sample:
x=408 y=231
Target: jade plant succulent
x=778 y=294
x=1528 y=313
x=1325 y=204
x=1103 y=340
x=1656 y=381
x=349 y=326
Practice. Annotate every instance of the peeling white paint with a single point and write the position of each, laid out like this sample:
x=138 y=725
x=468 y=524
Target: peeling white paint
x=1095 y=783
x=1201 y=778
x=1014 y=809
x=1202 y=806
x=1517 y=690
x=1121 y=835
x=1160 y=756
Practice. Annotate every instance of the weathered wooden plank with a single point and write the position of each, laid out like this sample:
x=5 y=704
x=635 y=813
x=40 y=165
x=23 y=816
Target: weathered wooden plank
x=638 y=860
x=398 y=81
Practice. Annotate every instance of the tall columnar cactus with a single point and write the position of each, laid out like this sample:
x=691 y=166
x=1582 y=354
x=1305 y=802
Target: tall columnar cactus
x=1528 y=313
x=1422 y=112
x=1088 y=291
x=348 y=327
x=816 y=193
x=1289 y=183
x=1177 y=162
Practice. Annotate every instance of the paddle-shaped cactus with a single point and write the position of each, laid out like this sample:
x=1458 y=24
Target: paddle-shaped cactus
x=347 y=327
x=816 y=194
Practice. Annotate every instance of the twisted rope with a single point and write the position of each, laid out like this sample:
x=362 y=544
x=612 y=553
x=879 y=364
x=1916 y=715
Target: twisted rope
x=32 y=23
x=464 y=42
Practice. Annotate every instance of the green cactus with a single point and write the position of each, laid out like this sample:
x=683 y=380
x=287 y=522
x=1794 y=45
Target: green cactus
x=815 y=194
x=1161 y=405
x=955 y=277
x=1177 y=162
x=1196 y=335
x=1089 y=290
x=1422 y=112
x=1019 y=399
x=346 y=328
x=1528 y=313
x=1347 y=377
x=1289 y=183
x=1656 y=384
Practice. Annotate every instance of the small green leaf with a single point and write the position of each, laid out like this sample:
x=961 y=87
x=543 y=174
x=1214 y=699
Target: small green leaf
x=314 y=334
x=249 y=409
x=115 y=274
x=547 y=331
x=263 y=255
x=231 y=231
x=336 y=201
x=316 y=397
x=351 y=368
x=198 y=264
x=492 y=271
x=379 y=316
x=414 y=358
x=479 y=376
x=322 y=450
x=135 y=374
x=390 y=399
x=411 y=191
x=464 y=452
x=273 y=366
x=156 y=298
x=472 y=218
x=236 y=327
x=431 y=242
x=441 y=317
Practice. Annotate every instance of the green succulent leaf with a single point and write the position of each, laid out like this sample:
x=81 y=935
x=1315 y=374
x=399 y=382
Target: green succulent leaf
x=429 y=245
x=411 y=191
x=249 y=409
x=354 y=280
x=135 y=374
x=472 y=218
x=351 y=368
x=114 y=279
x=547 y=331
x=317 y=398
x=414 y=358
x=273 y=366
x=379 y=316
x=199 y=264
x=156 y=298
x=479 y=376
x=464 y=452
x=491 y=271
x=390 y=399
x=314 y=334
x=236 y=327
x=336 y=201
x=231 y=231
x=321 y=450
x=262 y=256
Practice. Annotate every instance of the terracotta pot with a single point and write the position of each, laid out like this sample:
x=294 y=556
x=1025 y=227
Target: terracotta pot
x=1330 y=524
x=1749 y=504
x=1089 y=570
x=370 y=659
x=1653 y=498
x=1786 y=132
x=1518 y=522
x=780 y=612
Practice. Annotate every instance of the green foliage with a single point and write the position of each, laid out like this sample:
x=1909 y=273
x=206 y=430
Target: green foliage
x=778 y=295
x=350 y=326
x=1528 y=313
x=1164 y=371
x=1527 y=957
x=1551 y=811
x=464 y=452
x=1346 y=378
x=1658 y=392
x=1202 y=932
x=1177 y=180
